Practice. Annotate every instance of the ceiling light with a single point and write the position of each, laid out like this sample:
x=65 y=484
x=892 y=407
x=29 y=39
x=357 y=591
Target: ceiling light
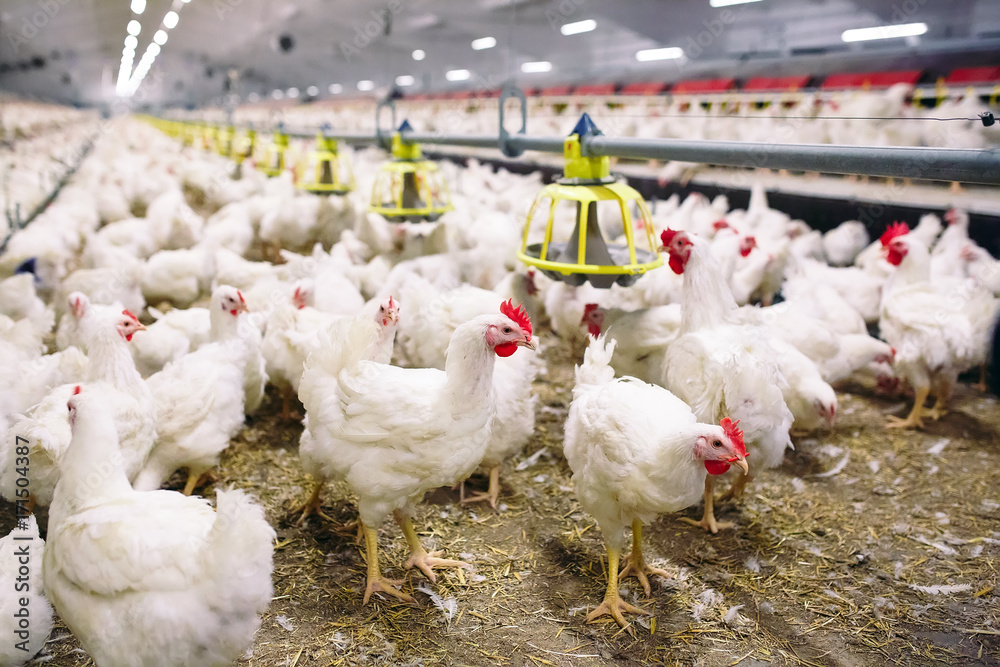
x=128 y=53
x=884 y=32
x=134 y=27
x=131 y=42
x=170 y=20
x=277 y=94
x=578 y=27
x=335 y=89
x=483 y=43
x=419 y=54
x=312 y=91
x=365 y=85
x=536 y=67
x=726 y=3
x=152 y=51
x=405 y=80
x=138 y=6
x=160 y=37
x=668 y=53
x=457 y=74
x=292 y=93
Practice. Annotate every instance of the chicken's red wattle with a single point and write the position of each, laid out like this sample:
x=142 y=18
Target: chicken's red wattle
x=505 y=349
x=716 y=467
x=676 y=264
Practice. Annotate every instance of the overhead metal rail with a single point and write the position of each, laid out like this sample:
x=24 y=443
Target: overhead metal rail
x=964 y=165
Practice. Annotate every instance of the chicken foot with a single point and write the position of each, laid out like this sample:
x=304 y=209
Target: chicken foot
x=376 y=582
x=708 y=522
x=915 y=418
x=943 y=395
x=312 y=504
x=636 y=564
x=492 y=494
x=198 y=478
x=736 y=489
x=613 y=605
x=419 y=557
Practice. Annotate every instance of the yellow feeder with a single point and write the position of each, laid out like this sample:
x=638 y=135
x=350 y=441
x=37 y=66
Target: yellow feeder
x=274 y=157
x=326 y=173
x=244 y=145
x=588 y=187
x=409 y=188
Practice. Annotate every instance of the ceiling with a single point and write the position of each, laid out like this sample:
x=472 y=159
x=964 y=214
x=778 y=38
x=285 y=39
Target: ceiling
x=69 y=50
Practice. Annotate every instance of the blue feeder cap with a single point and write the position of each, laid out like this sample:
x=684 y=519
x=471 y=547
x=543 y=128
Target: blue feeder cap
x=406 y=127
x=27 y=266
x=585 y=126
x=325 y=129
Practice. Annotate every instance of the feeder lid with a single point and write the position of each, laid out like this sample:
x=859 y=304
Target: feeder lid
x=585 y=126
x=405 y=127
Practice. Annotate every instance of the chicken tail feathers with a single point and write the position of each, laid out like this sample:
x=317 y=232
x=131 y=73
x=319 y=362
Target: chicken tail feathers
x=242 y=549
x=596 y=367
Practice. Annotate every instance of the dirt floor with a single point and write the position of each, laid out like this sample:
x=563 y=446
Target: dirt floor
x=838 y=557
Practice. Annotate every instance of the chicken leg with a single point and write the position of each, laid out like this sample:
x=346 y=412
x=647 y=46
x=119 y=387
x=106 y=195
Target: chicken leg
x=636 y=564
x=943 y=395
x=708 y=521
x=736 y=489
x=312 y=504
x=376 y=582
x=419 y=557
x=981 y=385
x=492 y=494
x=198 y=478
x=613 y=605
x=915 y=418
x=287 y=414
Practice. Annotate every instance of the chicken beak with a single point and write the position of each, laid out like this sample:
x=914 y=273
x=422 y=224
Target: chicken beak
x=742 y=463
x=662 y=248
x=139 y=326
x=530 y=344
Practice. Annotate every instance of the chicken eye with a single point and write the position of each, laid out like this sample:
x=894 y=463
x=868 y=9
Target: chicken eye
x=507 y=330
x=717 y=444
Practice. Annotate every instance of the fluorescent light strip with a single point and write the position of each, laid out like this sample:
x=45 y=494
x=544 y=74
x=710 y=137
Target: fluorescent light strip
x=419 y=54
x=138 y=6
x=884 y=32
x=578 y=27
x=335 y=89
x=404 y=80
x=170 y=20
x=536 y=67
x=727 y=3
x=128 y=85
x=365 y=85
x=483 y=43
x=457 y=74
x=667 y=53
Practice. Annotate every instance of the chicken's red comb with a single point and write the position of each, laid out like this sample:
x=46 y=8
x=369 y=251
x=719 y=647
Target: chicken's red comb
x=517 y=315
x=719 y=224
x=667 y=236
x=76 y=390
x=734 y=434
x=589 y=308
x=240 y=294
x=895 y=230
x=392 y=304
x=128 y=313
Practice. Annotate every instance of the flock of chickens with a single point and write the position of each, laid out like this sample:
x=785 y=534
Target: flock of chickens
x=401 y=342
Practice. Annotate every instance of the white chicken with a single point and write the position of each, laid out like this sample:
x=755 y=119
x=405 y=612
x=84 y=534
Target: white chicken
x=637 y=451
x=378 y=348
x=199 y=400
x=937 y=329
x=111 y=372
x=722 y=368
x=25 y=627
x=150 y=578
x=435 y=433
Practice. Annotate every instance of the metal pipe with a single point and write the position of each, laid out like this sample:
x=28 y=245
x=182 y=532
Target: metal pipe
x=939 y=164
